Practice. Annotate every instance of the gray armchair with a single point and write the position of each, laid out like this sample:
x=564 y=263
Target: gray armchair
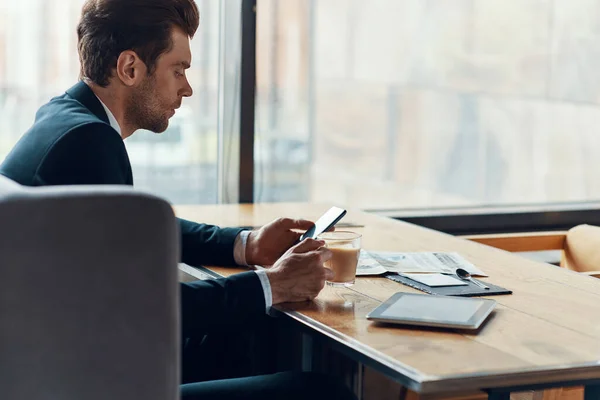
x=88 y=294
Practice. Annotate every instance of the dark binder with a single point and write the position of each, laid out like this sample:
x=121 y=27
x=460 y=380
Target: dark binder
x=471 y=290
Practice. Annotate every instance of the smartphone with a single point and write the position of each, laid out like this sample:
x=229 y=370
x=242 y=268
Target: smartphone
x=327 y=221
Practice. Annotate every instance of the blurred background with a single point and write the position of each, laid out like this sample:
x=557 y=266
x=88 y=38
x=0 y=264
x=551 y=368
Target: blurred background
x=385 y=104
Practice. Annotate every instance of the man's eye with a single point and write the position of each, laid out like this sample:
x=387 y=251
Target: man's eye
x=178 y=74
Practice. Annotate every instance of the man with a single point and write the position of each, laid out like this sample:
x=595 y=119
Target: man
x=134 y=54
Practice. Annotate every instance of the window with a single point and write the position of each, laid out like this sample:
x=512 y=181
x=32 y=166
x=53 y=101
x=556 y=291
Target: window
x=391 y=104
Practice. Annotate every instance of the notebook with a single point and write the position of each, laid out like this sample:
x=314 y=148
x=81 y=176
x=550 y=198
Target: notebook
x=436 y=280
x=468 y=290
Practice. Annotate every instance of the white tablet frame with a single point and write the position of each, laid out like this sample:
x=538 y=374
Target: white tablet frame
x=487 y=306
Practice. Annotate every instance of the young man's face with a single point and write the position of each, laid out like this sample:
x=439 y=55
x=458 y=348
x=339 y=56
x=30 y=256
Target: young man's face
x=155 y=100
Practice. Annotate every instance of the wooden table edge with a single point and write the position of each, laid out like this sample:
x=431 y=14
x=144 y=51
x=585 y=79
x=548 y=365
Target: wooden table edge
x=422 y=383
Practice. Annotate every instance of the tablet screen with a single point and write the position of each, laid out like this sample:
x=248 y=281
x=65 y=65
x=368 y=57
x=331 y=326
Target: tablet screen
x=433 y=308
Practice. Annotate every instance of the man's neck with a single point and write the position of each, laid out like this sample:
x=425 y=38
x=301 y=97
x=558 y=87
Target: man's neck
x=115 y=103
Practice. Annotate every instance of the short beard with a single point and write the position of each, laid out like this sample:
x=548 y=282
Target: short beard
x=142 y=110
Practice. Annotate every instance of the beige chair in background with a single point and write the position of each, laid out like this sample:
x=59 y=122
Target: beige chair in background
x=579 y=246
x=88 y=294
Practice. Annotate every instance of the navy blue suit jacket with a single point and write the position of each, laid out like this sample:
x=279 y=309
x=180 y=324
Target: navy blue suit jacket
x=71 y=142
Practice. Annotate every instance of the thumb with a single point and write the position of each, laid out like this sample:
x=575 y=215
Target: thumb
x=302 y=224
x=329 y=274
x=308 y=245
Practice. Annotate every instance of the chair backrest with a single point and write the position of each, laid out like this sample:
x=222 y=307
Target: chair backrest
x=88 y=294
x=582 y=249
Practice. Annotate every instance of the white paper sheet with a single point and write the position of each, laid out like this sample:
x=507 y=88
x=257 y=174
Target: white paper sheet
x=379 y=262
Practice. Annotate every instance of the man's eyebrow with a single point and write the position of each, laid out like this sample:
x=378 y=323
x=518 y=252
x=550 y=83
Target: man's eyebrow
x=183 y=64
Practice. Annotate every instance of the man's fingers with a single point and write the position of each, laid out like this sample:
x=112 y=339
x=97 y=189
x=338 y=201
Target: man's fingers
x=329 y=274
x=325 y=254
x=318 y=256
x=308 y=245
x=289 y=223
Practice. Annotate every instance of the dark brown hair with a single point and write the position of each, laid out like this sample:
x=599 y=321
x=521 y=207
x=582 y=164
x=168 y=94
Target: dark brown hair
x=109 y=27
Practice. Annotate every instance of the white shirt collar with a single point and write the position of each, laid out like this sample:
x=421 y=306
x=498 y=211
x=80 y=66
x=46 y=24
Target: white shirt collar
x=111 y=118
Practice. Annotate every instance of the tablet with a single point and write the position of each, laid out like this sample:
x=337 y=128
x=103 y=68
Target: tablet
x=437 y=311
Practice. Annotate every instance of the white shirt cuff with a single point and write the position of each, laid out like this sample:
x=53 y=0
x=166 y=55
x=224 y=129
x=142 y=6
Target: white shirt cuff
x=239 y=255
x=239 y=248
x=266 y=285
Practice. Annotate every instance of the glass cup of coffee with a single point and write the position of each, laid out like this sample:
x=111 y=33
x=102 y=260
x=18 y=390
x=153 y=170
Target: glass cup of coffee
x=345 y=247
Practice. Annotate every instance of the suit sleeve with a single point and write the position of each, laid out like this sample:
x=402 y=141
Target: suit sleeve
x=207 y=244
x=219 y=304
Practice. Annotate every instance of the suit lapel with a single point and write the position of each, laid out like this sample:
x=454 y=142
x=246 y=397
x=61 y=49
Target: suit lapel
x=83 y=94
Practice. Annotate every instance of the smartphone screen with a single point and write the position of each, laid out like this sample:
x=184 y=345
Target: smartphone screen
x=327 y=220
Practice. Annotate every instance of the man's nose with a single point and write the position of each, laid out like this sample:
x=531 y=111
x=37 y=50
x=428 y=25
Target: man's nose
x=187 y=90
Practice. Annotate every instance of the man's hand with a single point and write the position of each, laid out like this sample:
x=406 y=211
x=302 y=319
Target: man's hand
x=267 y=244
x=299 y=274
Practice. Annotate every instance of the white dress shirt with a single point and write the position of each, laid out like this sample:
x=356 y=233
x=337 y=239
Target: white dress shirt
x=239 y=246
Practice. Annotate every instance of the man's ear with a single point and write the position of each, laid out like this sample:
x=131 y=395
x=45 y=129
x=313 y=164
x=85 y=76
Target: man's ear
x=130 y=68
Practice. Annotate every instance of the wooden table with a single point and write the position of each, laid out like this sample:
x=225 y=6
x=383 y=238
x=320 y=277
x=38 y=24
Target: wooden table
x=546 y=334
